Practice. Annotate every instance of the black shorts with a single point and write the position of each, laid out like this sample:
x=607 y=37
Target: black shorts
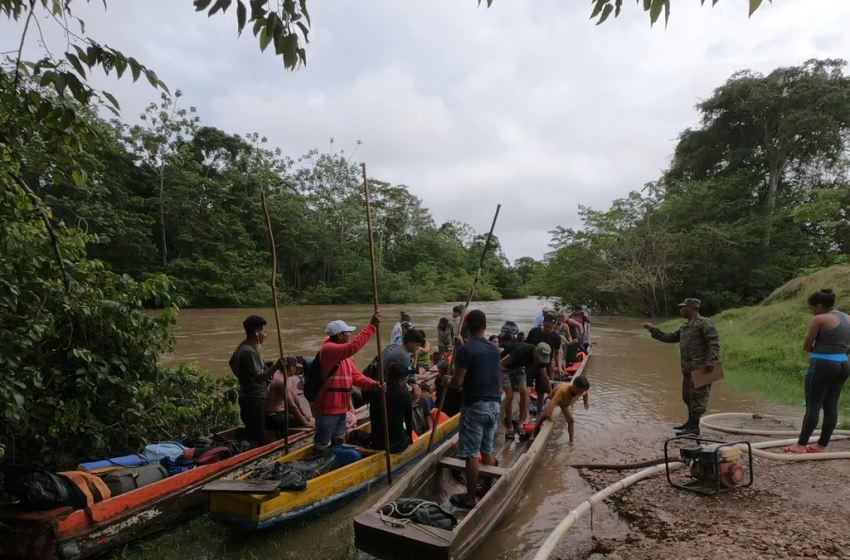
x=277 y=422
x=534 y=379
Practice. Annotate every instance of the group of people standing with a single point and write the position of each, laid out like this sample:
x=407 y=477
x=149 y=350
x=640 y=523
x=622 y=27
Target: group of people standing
x=473 y=386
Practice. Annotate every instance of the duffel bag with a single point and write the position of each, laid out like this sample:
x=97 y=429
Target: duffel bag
x=206 y=455
x=127 y=480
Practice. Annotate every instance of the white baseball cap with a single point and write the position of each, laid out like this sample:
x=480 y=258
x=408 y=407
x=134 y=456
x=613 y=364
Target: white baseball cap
x=336 y=327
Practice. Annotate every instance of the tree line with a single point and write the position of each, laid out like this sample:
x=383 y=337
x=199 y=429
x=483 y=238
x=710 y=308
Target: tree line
x=173 y=196
x=756 y=194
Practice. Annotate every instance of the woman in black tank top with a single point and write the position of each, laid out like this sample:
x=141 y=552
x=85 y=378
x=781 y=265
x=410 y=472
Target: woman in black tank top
x=828 y=341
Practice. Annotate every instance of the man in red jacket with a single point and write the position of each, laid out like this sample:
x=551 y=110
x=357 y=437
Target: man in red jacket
x=334 y=400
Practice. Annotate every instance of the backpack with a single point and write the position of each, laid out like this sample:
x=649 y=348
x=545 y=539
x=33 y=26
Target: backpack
x=40 y=490
x=313 y=380
x=371 y=371
x=510 y=327
x=127 y=480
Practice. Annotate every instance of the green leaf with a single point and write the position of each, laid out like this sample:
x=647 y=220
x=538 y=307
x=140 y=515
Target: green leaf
x=219 y=5
x=618 y=7
x=241 y=15
x=598 y=8
x=111 y=99
x=606 y=11
x=152 y=79
x=259 y=23
x=78 y=177
x=754 y=5
x=272 y=23
x=201 y=5
x=75 y=62
x=647 y=4
x=655 y=11
x=135 y=68
x=120 y=65
x=305 y=12
x=304 y=30
x=265 y=39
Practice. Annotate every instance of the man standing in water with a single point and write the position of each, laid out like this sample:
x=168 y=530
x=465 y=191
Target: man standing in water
x=699 y=346
x=476 y=369
x=247 y=365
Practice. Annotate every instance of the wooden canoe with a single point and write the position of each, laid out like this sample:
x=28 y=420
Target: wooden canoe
x=325 y=493
x=63 y=533
x=429 y=480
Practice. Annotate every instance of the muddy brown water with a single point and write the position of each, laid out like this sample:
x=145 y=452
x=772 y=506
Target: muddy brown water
x=635 y=391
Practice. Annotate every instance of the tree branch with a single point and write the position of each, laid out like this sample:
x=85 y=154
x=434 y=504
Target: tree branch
x=40 y=205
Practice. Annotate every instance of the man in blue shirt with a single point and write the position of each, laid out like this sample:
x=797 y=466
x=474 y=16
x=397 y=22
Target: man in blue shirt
x=539 y=319
x=476 y=370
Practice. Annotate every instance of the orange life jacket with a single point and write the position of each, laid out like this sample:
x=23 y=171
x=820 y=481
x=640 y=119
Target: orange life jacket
x=92 y=487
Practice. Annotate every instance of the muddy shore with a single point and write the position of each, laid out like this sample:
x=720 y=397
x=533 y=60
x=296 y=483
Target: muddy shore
x=792 y=510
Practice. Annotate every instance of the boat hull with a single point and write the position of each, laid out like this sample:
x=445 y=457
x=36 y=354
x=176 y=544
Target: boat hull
x=66 y=534
x=324 y=494
x=412 y=541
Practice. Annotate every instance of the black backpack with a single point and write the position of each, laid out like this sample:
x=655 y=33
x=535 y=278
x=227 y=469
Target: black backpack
x=313 y=381
x=371 y=371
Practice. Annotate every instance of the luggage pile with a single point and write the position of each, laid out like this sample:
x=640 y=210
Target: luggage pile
x=40 y=490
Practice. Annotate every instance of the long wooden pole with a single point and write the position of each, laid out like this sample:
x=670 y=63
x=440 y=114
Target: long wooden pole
x=378 y=333
x=277 y=323
x=463 y=314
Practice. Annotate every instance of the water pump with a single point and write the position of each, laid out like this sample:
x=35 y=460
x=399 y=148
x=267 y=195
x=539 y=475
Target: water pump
x=714 y=466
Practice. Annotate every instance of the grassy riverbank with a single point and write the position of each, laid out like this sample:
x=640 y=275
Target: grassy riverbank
x=762 y=345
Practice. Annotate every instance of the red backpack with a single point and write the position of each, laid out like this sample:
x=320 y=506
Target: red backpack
x=206 y=455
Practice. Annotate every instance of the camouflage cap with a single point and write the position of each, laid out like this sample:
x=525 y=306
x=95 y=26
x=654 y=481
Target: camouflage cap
x=693 y=303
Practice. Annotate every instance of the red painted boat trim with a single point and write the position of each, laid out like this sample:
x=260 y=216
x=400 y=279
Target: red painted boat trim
x=39 y=533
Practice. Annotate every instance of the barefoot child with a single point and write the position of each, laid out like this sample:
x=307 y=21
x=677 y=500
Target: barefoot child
x=565 y=395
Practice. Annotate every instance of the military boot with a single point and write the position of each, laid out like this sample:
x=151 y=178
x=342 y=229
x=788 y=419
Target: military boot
x=683 y=425
x=691 y=428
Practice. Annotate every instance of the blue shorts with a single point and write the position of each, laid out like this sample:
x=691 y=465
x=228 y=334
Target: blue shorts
x=328 y=427
x=477 y=428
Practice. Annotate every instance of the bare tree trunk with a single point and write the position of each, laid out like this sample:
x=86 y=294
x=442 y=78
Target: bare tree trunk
x=162 y=217
x=772 y=191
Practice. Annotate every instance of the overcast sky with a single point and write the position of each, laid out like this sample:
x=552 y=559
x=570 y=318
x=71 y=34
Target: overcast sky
x=527 y=104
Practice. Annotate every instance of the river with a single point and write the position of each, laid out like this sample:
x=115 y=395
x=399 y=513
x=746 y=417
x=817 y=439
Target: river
x=635 y=390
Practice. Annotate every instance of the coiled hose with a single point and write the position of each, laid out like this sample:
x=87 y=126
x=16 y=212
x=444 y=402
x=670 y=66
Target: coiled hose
x=558 y=533
x=707 y=423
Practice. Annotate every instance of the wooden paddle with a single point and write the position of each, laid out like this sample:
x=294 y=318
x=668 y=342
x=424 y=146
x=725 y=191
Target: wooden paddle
x=463 y=315
x=277 y=323
x=378 y=333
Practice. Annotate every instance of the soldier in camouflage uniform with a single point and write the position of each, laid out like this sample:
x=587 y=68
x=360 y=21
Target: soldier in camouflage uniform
x=699 y=346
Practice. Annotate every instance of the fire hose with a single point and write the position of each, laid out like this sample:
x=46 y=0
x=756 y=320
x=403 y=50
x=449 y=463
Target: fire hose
x=558 y=533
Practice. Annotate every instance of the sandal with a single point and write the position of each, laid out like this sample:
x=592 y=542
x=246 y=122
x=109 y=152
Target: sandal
x=813 y=449
x=459 y=500
x=789 y=450
x=510 y=434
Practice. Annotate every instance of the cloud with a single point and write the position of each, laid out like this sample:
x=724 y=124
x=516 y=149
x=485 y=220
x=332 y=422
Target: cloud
x=527 y=104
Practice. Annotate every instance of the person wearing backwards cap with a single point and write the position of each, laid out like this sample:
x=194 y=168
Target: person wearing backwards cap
x=334 y=399
x=699 y=346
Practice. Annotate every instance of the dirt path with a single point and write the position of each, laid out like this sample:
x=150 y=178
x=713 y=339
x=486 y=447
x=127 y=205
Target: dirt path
x=799 y=510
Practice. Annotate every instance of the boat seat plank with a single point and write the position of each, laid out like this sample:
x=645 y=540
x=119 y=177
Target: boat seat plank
x=459 y=465
x=243 y=486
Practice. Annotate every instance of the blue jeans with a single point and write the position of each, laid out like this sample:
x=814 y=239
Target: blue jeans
x=477 y=428
x=328 y=427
